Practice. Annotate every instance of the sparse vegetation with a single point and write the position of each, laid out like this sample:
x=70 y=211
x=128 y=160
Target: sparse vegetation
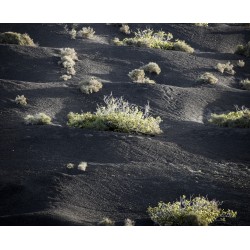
x=236 y=119
x=16 y=38
x=117 y=41
x=243 y=49
x=92 y=86
x=158 y=40
x=197 y=211
x=245 y=84
x=152 y=68
x=106 y=222
x=125 y=29
x=129 y=222
x=138 y=76
x=38 y=119
x=21 y=100
x=201 y=24
x=225 y=67
x=68 y=59
x=86 y=32
x=117 y=115
x=82 y=166
x=208 y=78
x=241 y=63
x=70 y=165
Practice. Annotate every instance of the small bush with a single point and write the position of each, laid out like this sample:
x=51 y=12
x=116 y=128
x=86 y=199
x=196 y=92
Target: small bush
x=117 y=41
x=117 y=115
x=86 y=32
x=158 y=40
x=235 y=119
x=246 y=84
x=66 y=77
x=225 y=67
x=16 y=38
x=70 y=165
x=125 y=29
x=73 y=33
x=208 y=78
x=106 y=222
x=152 y=68
x=241 y=63
x=129 y=222
x=21 y=100
x=198 y=211
x=138 y=76
x=82 y=166
x=91 y=86
x=243 y=49
x=38 y=119
x=201 y=24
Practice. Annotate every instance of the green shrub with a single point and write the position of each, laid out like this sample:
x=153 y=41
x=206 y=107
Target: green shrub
x=225 y=67
x=235 y=119
x=38 y=119
x=89 y=87
x=21 y=100
x=138 y=76
x=245 y=84
x=158 y=40
x=198 y=211
x=106 y=222
x=117 y=115
x=243 y=49
x=208 y=78
x=16 y=38
x=152 y=68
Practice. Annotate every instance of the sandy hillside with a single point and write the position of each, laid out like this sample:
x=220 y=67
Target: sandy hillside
x=126 y=173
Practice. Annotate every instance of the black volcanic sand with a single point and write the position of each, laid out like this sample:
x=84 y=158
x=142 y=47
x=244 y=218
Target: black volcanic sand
x=126 y=173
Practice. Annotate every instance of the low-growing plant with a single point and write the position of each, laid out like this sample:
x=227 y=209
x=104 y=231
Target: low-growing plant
x=208 y=78
x=197 y=211
x=245 y=84
x=125 y=29
x=66 y=77
x=106 y=222
x=225 y=67
x=152 y=68
x=241 y=63
x=86 y=32
x=236 y=119
x=73 y=33
x=158 y=40
x=138 y=76
x=243 y=49
x=16 y=38
x=117 y=115
x=117 y=41
x=129 y=222
x=38 y=119
x=91 y=86
x=70 y=165
x=22 y=100
x=201 y=24
x=82 y=166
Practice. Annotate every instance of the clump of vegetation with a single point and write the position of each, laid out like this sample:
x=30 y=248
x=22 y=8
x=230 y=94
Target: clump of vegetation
x=129 y=222
x=236 y=119
x=152 y=68
x=82 y=166
x=158 y=40
x=138 y=76
x=201 y=24
x=106 y=222
x=38 y=119
x=117 y=115
x=225 y=67
x=86 y=32
x=208 y=78
x=22 y=100
x=125 y=29
x=197 y=211
x=117 y=41
x=68 y=59
x=241 y=63
x=245 y=84
x=243 y=49
x=70 y=165
x=92 y=86
x=16 y=38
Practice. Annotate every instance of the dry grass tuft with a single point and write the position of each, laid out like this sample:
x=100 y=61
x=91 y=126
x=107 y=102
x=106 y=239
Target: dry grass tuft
x=225 y=67
x=16 y=38
x=92 y=86
x=86 y=32
x=241 y=63
x=125 y=29
x=208 y=78
x=152 y=68
x=21 y=100
x=38 y=119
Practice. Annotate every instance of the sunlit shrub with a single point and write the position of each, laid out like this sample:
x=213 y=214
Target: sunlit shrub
x=92 y=86
x=138 y=76
x=106 y=222
x=152 y=68
x=16 y=38
x=243 y=49
x=207 y=78
x=125 y=29
x=86 y=32
x=245 y=84
x=38 y=119
x=241 y=63
x=21 y=100
x=225 y=67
